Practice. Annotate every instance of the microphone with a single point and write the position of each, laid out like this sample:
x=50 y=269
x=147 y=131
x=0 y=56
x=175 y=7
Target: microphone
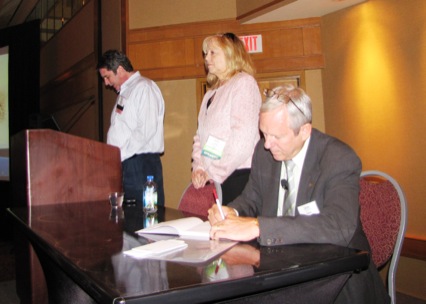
x=284 y=184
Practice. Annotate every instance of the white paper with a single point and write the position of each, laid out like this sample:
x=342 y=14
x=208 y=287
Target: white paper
x=195 y=251
x=156 y=249
x=189 y=227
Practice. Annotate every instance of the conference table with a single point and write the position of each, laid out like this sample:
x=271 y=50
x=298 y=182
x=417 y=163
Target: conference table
x=80 y=247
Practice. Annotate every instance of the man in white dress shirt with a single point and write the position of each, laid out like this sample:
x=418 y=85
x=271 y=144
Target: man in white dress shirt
x=136 y=123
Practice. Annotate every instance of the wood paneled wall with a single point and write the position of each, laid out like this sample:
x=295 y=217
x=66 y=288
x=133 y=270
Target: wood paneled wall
x=175 y=52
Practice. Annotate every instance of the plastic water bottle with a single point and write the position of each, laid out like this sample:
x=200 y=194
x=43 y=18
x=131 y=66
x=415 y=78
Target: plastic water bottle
x=149 y=198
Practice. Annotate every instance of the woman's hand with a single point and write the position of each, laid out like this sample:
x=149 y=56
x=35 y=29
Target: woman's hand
x=199 y=178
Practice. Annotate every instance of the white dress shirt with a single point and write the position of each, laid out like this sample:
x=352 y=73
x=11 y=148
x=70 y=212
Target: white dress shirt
x=137 y=118
x=297 y=172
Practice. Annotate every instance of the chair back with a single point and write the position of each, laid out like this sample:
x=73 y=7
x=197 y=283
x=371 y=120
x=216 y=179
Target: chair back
x=199 y=201
x=383 y=216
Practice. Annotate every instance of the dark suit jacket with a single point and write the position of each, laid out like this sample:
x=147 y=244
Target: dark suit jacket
x=330 y=176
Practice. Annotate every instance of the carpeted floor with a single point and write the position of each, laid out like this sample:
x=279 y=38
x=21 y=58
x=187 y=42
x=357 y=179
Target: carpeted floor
x=7 y=273
x=8 y=292
x=7 y=261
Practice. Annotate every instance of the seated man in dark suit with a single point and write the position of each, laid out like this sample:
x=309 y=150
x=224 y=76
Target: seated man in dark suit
x=303 y=188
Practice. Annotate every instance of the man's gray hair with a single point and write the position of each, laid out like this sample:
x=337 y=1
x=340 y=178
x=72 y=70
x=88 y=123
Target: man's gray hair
x=298 y=104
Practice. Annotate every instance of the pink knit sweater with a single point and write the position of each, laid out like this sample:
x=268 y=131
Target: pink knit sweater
x=233 y=116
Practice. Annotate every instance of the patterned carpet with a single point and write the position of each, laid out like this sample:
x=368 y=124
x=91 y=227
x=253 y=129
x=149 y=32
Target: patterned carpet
x=7 y=261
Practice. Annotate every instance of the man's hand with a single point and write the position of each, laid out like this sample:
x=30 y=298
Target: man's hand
x=199 y=178
x=242 y=254
x=235 y=228
x=215 y=215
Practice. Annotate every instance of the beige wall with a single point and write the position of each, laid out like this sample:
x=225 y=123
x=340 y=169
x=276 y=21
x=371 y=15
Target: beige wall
x=247 y=6
x=313 y=86
x=374 y=99
x=255 y=8
x=180 y=124
x=374 y=87
x=148 y=13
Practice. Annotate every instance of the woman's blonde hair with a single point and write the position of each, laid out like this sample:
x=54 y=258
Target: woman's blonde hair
x=237 y=58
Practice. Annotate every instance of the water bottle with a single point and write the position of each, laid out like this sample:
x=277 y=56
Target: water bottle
x=149 y=197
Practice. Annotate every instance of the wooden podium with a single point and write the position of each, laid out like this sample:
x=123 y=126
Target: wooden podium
x=51 y=167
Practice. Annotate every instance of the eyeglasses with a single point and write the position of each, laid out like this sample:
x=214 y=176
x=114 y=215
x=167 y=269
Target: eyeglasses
x=231 y=37
x=285 y=98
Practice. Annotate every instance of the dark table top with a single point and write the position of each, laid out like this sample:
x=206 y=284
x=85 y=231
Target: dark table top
x=87 y=239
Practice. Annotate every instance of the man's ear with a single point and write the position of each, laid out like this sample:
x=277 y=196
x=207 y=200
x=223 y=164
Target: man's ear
x=120 y=70
x=306 y=130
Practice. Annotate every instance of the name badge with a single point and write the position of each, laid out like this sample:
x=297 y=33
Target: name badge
x=213 y=148
x=308 y=209
x=119 y=109
x=120 y=105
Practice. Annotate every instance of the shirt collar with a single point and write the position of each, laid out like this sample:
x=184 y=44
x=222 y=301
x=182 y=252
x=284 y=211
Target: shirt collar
x=300 y=157
x=128 y=83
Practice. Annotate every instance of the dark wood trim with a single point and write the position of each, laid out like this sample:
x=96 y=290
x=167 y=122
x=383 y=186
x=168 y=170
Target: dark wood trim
x=205 y=28
x=414 y=248
x=60 y=94
x=152 y=49
x=88 y=61
x=262 y=9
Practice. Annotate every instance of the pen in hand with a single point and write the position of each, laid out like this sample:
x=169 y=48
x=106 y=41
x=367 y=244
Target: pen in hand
x=218 y=203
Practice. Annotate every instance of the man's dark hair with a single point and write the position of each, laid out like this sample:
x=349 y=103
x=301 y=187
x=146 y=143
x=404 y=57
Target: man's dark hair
x=112 y=59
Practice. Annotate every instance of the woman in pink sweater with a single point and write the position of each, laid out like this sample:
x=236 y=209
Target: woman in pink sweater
x=228 y=119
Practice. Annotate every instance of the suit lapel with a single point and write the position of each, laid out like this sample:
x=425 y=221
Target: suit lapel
x=276 y=173
x=266 y=181
x=310 y=171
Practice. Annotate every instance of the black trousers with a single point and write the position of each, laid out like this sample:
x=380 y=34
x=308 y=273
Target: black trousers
x=135 y=171
x=234 y=185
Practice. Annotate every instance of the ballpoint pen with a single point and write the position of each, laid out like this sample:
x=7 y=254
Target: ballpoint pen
x=219 y=204
x=216 y=270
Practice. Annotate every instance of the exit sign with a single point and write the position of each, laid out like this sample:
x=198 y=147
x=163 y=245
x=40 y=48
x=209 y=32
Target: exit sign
x=253 y=43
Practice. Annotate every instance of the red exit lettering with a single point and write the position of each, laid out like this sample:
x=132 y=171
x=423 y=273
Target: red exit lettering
x=253 y=43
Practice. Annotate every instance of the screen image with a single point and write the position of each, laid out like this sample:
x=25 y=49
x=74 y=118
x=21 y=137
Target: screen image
x=4 y=113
